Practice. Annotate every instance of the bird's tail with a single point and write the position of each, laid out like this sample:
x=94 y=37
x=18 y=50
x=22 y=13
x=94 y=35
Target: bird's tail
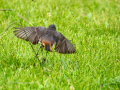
x=47 y=46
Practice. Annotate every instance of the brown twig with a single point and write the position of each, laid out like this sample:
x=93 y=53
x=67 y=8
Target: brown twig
x=8 y=27
x=25 y=19
x=5 y=9
x=118 y=60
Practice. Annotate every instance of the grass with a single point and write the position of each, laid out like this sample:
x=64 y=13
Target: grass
x=92 y=25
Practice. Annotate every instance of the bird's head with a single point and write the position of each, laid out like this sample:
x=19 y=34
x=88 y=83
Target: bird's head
x=52 y=27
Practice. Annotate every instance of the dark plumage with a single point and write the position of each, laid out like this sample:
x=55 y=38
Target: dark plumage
x=47 y=36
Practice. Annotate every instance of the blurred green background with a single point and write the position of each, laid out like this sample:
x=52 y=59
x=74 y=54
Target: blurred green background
x=92 y=25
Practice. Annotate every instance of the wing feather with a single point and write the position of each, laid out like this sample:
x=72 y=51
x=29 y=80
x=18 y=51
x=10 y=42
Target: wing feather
x=63 y=45
x=31 y=34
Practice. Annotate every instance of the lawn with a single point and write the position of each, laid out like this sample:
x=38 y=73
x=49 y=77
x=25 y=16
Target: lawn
x=93 y=26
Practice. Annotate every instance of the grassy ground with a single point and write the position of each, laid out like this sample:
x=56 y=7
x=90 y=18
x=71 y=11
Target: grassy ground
x=92 y=25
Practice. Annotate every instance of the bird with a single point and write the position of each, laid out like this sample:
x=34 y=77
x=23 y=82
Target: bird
x=47 y=37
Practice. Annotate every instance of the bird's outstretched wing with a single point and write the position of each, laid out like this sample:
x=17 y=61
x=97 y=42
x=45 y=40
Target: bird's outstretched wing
x=63 y=45
x=31 y=34
x=47 y=37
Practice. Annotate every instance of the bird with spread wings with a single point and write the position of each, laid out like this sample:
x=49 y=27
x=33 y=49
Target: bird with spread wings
x=47 y=37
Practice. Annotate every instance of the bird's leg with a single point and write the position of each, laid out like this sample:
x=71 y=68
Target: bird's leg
x=46 y=53
x=39 y=49
x=44 y=58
